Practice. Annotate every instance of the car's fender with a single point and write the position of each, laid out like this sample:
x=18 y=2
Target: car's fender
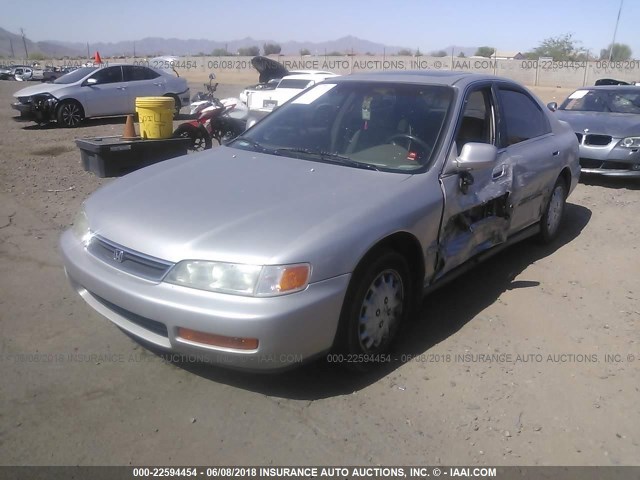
x=73 y=92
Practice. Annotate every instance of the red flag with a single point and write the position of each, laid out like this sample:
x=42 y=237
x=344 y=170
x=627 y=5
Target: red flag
x=97 y=58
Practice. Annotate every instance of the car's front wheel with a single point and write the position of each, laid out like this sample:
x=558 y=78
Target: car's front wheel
x=376 y=305
x=70 y=114
x=554 y=213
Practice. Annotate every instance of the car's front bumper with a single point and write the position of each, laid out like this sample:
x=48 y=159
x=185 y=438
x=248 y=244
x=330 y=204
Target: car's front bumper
x=23 y=108
x=610 y=160
x=289 y=328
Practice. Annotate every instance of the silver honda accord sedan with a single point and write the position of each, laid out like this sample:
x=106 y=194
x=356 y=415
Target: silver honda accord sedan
x=321 y=227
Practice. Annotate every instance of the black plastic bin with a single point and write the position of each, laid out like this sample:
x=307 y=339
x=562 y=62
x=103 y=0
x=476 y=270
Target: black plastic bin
x=113 y=156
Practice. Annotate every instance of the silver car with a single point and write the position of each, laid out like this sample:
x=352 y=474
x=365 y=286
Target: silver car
x=606 y=121
x=321 y=227
x=99 y=91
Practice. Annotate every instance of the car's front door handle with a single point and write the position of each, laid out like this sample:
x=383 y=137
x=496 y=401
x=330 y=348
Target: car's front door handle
x=499 y=173
x=122 y=88
x=556 y=153
x=158 y=84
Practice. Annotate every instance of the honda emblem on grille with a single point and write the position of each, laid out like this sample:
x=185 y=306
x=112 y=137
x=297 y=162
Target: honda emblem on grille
x=118 y=255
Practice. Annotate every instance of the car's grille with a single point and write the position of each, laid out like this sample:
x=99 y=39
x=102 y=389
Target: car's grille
x=616 y=166
x=130 y=261
x=597 y=140
x=605 y=165
x=152 y=325
x=589 y=163
x=579 y=135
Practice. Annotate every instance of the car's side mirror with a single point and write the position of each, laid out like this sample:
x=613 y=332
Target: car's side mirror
x=476 y=156
x=553 y=106
x=90 y=81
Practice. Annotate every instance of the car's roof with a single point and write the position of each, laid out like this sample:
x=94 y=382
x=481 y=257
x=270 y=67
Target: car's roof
x=310 y=72
x=437 y=77
x=630 y=88
x=309 y=76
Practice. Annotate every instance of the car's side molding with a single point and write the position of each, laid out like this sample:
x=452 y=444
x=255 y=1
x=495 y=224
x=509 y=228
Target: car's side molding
x=481 y=257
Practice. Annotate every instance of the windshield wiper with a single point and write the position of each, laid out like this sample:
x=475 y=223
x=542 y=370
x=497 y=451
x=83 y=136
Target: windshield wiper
x=328 y=157
x=254 y=144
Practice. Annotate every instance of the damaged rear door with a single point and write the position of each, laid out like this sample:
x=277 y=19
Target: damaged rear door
x=477 y=211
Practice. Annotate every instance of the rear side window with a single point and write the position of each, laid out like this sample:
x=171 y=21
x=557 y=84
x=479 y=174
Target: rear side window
x=523 y=118
x=133 y=73
x=108 y=75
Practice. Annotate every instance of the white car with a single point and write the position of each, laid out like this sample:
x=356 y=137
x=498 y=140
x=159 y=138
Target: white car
x=272 y=83
x=22 y=74
x=98 y=91
x=288 y=87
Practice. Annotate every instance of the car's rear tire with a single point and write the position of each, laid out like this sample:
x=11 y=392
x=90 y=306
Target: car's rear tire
x=377 y=303
x=200 y=139
x=69 y=114
x=552 y=217
x=177 y=106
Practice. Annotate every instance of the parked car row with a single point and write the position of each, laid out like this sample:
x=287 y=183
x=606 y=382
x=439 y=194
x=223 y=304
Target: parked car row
x=395 y=182
x=21 y=73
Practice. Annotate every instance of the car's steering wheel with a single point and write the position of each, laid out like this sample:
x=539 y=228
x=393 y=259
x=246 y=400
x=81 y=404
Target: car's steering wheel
x=398 y=136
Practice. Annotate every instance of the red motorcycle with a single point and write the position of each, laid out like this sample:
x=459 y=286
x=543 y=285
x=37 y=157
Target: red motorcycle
x=216 y=119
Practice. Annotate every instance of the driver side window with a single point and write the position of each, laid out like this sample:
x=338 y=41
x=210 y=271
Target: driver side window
x=108 y=75
x=477 y=119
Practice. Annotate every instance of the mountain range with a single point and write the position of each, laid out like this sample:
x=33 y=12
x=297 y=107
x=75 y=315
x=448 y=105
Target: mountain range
x=11 y=46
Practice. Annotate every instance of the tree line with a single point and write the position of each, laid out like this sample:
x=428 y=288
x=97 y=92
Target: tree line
x=566 y=48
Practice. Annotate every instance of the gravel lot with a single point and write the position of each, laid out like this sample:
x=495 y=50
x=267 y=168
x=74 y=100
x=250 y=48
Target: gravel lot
x=76 y=390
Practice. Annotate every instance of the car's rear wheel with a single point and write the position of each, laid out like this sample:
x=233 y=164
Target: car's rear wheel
x=376 y=305
x=552 y=218
x=70 y=114
x=177 y=105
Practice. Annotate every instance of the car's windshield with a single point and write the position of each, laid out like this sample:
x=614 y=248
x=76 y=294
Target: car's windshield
x=293 y=83
x=609 y=100
x=386 y=126
x=76 y=75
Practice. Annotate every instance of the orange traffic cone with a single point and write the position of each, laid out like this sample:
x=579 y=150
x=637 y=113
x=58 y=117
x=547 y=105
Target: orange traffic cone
x=129 y=129
x=97 y=58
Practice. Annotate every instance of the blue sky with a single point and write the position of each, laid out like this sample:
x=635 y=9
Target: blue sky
x=427 y=24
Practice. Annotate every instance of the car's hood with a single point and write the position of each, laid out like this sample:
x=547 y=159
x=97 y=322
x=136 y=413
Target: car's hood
x=51 y=88
x=617 y=125
x=237 y=206
x=268 y=68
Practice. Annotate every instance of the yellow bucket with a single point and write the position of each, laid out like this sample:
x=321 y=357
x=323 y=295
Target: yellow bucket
x=156 y=116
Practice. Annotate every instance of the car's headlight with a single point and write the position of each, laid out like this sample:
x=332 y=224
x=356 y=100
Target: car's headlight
x=240 y=279
x=80 y=227
x=630 y=142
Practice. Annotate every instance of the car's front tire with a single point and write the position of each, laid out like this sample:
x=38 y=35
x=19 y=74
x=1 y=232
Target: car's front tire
x=376 y=305
x=554 y=213
x=70 y=114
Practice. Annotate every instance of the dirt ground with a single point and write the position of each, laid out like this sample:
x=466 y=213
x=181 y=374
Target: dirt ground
x=565 y=320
